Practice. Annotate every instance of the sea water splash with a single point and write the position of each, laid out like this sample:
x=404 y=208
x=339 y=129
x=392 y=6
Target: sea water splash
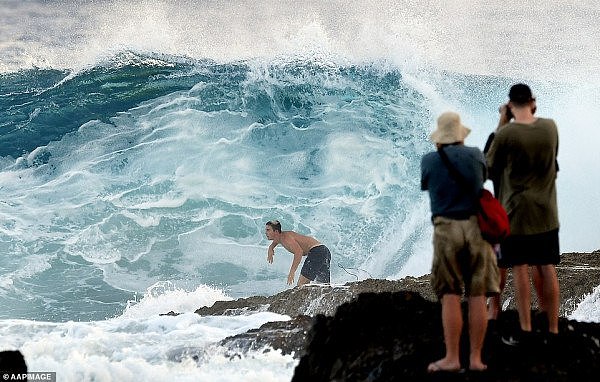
x=491 y=38
x=137 y=344
x=587 y=309
x=178 y=187
x=164 y=297
x=143 y=144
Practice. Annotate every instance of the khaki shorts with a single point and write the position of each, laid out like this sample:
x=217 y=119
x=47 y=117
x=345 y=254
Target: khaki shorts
x=462 y=259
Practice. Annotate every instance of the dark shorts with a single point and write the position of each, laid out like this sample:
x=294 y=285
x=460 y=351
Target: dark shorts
x=317 y=264
x=538 y=249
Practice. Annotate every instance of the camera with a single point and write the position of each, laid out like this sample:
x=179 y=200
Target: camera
x=509 y=113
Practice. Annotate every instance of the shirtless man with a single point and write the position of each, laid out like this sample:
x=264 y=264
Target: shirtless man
x=318 y=258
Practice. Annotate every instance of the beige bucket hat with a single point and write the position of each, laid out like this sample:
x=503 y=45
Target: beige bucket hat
x=449 y=129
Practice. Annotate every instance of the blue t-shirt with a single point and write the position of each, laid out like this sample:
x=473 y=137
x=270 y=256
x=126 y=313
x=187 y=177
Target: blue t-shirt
x=447 y=197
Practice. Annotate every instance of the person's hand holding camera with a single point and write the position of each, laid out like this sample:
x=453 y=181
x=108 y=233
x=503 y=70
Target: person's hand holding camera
x=505 y=114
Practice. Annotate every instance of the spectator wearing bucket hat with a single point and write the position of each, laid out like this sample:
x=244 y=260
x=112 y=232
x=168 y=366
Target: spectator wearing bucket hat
x=462 y=260
x=523 y=166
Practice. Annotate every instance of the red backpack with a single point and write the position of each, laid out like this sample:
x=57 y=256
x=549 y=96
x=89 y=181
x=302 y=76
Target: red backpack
x=492 y=218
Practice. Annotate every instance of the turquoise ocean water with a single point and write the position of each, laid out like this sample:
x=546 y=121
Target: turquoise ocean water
x=143 y=145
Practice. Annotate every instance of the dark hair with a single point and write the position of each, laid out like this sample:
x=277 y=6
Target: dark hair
x=275 y=224
x=520 y=94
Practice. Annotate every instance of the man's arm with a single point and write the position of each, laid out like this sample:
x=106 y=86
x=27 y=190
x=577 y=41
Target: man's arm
x=294 y=267
x=491 y=148
x=494 y=161
x=271 y=252
x=296 y=250
x=505 y=116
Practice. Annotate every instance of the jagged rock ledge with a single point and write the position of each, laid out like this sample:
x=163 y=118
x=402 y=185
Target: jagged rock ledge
x=315 y=299
x=579 y=274
x=381 y=337
x=392 y=337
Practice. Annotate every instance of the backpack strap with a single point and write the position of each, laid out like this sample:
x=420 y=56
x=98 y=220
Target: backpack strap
x=453 y=171
x=462 y=181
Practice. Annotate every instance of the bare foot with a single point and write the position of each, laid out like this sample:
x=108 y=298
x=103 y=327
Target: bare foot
x=443 y=365
x=478 y=367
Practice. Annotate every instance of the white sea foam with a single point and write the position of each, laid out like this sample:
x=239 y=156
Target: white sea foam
x=164 y=297
x=142 y=345
x=27 y=267
x=588 y=309
x=125 y=349
x=454 y=35
x=167 y=191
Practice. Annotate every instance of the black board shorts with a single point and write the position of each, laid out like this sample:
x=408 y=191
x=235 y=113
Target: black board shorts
x=317 y=264
x=538 y=249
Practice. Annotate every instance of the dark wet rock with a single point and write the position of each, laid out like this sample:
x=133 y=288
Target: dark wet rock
x=579 y=274
x=394 y=336
x=195 y=353
x=315 y=299
x=171 y=313
x=12 y=361
x=286 y=336
x=368 y=329
x=302 y=303
x=234 y=307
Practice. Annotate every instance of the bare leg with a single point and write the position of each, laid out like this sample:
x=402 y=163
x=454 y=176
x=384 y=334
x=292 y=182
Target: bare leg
x=538 y=282
x=523 y=295
x=550 y=295
x=494 y=302
x=452 y=323
x=477 y=328
x=303 y=280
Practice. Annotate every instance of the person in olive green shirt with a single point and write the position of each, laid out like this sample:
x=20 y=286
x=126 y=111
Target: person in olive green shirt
x=522 y=163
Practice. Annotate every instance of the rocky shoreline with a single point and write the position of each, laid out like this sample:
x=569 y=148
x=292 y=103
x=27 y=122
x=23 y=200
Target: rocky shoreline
x=324 y=318
x=382 y=330
x=579 y=274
